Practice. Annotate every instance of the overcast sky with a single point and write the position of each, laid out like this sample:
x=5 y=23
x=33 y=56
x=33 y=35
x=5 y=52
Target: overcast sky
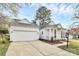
x=61 y=13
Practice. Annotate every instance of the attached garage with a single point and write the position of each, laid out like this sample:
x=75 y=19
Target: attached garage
x=20 y=35
x=24 y=32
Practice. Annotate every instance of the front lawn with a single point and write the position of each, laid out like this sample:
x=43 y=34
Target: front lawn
x=3 y=48
x=73 y=47
x=4 y=44
x=75 y=39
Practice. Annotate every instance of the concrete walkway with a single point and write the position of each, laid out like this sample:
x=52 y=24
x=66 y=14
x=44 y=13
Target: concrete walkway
x=35 y=48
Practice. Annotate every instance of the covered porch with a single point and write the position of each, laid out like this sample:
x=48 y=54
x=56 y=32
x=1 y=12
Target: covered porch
x=53 y=34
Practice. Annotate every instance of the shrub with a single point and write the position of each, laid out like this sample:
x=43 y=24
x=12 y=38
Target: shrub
x=4 y=31
x=7 y=37
x=4 y=38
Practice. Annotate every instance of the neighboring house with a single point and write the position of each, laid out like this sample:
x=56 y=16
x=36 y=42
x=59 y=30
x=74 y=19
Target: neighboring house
x=23 y=31
x=52 y=31
x=74 y=32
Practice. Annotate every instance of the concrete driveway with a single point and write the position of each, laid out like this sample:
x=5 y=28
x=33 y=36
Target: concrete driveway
x=35 y=48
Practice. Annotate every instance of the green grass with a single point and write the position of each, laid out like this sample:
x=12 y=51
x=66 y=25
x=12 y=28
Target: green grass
x=73 y=47
x=3 y=48
x=4 y=44
x=75 y=39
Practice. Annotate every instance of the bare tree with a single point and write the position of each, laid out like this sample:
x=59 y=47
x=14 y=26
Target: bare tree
x=76 y=11
x=11 y=8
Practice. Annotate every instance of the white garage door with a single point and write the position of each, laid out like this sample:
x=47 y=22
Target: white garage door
x=19 y=35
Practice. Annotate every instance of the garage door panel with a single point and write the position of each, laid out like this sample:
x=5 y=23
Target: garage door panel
x=25 y=35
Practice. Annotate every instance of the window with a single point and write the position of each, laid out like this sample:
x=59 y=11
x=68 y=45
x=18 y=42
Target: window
x=47 y=29
x=55 y=33
x=61 y=34
x=51 y=29
x=42 y=32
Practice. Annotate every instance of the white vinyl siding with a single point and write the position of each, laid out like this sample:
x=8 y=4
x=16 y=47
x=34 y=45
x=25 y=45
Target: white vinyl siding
x=23 y=34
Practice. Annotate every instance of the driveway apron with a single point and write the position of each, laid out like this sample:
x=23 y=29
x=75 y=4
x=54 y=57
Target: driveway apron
x=35 y=48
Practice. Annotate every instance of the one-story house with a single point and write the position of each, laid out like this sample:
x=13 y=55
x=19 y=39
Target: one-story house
x=23 y=31
x=52 y=32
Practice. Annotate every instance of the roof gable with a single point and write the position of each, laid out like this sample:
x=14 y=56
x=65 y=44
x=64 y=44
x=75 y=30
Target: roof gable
x=25 y=21
x=59 y=26
x=51 y=23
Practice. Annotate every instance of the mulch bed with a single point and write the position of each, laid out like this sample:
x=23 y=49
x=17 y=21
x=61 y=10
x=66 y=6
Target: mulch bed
x=53 y=42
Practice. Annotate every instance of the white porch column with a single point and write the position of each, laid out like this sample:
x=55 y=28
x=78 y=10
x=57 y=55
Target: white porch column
x=49 y=33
